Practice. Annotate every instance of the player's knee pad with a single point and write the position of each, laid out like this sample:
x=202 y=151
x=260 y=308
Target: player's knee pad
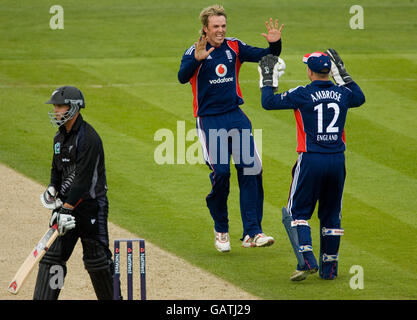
x=50 y=279
x=52 y=258
x=54 y=255
x=304 y=234
x=51 y=274
x=98 y=263
x=330 y=240
x=96 y=256
x=299 y=235
x=329 y=251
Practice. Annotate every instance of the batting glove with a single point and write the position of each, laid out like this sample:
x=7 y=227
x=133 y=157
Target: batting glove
x=64 y=220
x=49 y=199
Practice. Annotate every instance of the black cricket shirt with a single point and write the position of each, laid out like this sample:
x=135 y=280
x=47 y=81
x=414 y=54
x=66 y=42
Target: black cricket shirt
x=78 y=169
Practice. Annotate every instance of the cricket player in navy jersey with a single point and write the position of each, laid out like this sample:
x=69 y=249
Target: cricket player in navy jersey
x=319 y=174
x=212 y=67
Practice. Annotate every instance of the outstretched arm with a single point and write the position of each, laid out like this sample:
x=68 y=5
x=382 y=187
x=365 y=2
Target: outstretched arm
x=272 y=101
x=269 y=73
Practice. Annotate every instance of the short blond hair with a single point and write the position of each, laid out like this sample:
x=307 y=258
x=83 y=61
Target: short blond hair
x=206 y=13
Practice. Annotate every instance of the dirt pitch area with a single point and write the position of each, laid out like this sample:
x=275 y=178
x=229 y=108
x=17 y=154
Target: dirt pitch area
x=23 y=221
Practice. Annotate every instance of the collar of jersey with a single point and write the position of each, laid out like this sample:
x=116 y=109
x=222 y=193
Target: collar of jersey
x=75 y=127
x=322 y=83
x=208 y=46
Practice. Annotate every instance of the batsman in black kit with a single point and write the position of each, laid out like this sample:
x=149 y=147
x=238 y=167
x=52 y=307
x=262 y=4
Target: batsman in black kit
x=77 y=197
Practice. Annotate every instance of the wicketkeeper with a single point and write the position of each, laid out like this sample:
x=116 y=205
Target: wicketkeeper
x=320 y=110
x=77 y=197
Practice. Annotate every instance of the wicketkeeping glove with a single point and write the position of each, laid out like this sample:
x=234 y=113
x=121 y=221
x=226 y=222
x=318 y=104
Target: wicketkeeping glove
x=49 y=199
x=64 y=219
x=270 y=68
x=338 y=70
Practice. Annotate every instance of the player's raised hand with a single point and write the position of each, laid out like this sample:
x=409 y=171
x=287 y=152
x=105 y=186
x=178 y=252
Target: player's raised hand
x=270 y=68
x=200 y=52
x=274 y=34
x=338 y=70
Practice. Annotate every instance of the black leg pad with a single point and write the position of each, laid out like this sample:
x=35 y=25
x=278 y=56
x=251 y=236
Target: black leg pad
x=98 y=263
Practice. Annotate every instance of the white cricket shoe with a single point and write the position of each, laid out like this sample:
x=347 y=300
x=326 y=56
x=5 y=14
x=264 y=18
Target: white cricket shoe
x=259 y=240
x=300 y=275
x=222 y=241
x=262 y=240
x=248 y=242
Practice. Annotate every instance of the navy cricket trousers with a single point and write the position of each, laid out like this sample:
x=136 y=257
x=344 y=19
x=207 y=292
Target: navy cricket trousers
x=224 y=136
x=318 y=177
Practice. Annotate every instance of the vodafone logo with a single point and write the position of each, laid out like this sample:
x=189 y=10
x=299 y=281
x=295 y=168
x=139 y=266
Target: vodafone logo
x=221 y=70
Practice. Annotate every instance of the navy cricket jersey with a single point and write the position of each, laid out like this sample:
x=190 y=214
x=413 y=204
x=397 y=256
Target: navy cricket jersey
x=215 y=80
x=320 y=110
x=78 y=166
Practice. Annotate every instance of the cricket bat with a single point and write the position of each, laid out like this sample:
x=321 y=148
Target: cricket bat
x=34 y=257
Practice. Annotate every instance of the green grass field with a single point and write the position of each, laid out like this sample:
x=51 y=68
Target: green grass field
x=125 y=56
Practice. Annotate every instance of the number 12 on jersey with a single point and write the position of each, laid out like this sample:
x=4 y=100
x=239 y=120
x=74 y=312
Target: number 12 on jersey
x=330 y=128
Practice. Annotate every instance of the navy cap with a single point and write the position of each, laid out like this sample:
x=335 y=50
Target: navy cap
x=67 y=95
x=318 y=62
